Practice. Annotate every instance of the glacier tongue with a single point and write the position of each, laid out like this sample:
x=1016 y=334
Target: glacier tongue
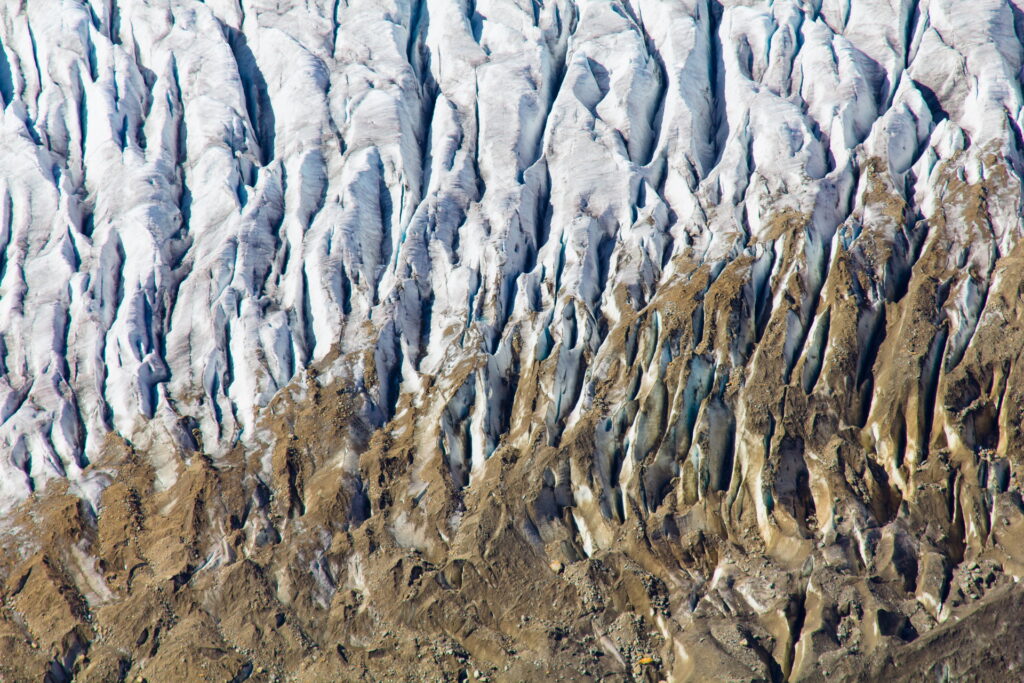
x=199 y=200
x=743 y=270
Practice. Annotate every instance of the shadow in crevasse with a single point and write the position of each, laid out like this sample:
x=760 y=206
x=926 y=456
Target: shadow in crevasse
x=6 y=78
x=257 y=99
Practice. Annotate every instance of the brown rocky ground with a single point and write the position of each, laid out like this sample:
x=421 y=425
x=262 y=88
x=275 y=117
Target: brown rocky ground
x=310 y=574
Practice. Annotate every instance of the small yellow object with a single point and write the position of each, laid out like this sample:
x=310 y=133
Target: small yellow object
x=556 y=567
x=647 y=660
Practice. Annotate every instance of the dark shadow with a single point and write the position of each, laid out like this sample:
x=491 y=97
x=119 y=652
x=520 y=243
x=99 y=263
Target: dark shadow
x=257 y=99
x=6 y=79
x=932 y=100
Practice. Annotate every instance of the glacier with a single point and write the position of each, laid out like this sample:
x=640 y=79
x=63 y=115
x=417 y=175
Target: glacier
x=199 y=200
x=737 y=267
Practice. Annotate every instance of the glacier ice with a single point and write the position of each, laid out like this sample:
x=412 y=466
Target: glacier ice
x=198 y=201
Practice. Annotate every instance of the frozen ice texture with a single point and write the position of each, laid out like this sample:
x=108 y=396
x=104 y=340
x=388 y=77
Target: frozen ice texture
x=200 y=200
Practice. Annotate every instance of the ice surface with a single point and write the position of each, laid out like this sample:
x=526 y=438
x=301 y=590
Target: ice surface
x=199 y=200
